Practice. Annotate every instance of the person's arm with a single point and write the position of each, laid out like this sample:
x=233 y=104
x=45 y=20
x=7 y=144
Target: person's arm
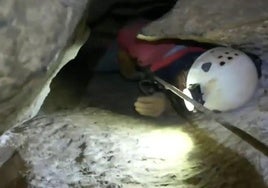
x=158 y=103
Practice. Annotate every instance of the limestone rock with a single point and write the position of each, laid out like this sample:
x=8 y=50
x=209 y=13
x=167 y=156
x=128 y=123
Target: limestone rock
x=33 y=35
x=239 y=23
x=98 y=148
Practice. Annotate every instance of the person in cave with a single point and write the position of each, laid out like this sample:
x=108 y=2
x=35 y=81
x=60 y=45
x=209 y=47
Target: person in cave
x=165 y=59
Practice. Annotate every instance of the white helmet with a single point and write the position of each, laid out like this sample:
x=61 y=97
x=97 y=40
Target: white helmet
x=226 y=78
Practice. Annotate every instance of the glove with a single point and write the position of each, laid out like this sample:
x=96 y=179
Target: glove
x=153 y=105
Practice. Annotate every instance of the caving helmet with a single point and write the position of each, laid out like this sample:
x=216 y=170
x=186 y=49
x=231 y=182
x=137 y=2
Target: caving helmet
x=221 y=79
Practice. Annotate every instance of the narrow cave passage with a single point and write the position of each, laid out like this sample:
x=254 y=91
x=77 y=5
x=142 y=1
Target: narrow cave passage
x=100 y=141
x=69 y=87
x=77 y=85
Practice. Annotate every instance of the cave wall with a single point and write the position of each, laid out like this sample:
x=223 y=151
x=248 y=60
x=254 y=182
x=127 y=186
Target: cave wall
x=238 y=23
x=33 y=37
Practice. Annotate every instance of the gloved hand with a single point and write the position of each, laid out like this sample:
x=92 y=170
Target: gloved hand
x=153 y=105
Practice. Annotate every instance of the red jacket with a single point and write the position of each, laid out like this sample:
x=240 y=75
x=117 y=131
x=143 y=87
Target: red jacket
x=155 y=55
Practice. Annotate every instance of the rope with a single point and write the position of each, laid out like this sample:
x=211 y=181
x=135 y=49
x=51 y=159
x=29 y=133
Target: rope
x=262 y=147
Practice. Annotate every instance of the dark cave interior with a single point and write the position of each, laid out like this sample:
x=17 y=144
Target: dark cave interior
x=72 y=80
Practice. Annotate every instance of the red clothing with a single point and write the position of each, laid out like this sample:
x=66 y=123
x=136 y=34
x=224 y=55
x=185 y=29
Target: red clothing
x=154 y=55
x=145 y=52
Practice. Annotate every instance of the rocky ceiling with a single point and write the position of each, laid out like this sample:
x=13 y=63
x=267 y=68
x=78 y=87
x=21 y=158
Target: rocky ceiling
x=239 y=23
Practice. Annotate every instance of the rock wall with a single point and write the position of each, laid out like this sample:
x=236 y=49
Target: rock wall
x=239 y=23
x=33 y=35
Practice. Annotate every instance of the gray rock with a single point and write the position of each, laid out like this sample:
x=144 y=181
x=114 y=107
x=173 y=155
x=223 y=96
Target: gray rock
x=33 y=35
x=98 y=148
x=239 y=23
